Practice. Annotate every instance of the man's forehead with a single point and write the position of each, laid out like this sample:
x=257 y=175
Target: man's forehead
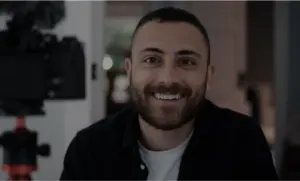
x=174 y=35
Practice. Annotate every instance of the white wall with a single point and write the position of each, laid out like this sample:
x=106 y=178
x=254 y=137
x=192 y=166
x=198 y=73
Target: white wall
x=65 y=118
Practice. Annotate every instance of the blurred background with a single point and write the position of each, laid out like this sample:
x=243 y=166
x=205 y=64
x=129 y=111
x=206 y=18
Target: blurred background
x=254 y=51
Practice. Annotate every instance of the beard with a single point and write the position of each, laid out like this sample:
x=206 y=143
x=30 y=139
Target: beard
x=167 y=117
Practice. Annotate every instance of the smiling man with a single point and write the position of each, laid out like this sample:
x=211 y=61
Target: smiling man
x=170 y=131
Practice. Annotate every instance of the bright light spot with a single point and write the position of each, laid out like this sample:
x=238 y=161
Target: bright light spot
x=120 y=97
x=120 y=94
x=107 y=62
x=121 y=82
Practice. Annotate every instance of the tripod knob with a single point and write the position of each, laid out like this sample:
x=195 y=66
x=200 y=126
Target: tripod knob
x=44 y=150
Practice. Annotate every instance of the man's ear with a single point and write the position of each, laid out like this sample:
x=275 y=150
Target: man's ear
x=128 y=65
x=210 y=73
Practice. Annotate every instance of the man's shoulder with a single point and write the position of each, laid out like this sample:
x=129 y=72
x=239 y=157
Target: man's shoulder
x=96 y=147
x=236 y=117
x=230 y=121
x=229 y=117
x=238 y=126
x=239 y=120
x=109 y=128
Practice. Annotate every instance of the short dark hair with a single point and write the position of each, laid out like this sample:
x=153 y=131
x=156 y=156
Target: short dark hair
x=172 y=14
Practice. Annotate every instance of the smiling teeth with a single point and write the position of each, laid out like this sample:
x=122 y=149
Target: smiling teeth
x=166 y=96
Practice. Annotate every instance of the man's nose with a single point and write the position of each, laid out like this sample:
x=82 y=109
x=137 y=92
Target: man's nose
x=168 y=74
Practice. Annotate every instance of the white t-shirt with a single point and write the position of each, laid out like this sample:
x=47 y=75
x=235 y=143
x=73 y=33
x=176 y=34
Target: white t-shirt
x=163 y=165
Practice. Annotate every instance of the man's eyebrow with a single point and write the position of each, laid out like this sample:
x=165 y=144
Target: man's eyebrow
x=188 y=52
x=152 y=49
x=180 y=52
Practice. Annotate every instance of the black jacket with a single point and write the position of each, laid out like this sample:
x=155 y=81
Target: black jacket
x=225 y=145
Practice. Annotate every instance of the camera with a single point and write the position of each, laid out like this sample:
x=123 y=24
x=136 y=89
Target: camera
x=35 y=66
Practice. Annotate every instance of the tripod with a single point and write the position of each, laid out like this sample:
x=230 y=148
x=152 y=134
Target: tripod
x=20 y=151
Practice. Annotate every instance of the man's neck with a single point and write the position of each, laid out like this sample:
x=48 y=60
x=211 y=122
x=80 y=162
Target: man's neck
x=159 y=140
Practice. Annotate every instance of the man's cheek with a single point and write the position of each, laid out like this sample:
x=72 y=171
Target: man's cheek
x=138 y=87
x=140 y=83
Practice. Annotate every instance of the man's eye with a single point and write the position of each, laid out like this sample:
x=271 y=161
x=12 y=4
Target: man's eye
x=187 y=62
x=151 y=60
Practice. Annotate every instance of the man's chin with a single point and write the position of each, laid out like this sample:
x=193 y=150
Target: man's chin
x=164 y=127
x=169 y=111
x=165 y=123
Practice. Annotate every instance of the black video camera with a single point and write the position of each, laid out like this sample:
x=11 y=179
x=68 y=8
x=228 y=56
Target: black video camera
x=35 y=66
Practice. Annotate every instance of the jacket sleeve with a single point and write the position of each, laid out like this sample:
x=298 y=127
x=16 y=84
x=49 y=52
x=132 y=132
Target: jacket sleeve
x=255 y=159
x=73 y=163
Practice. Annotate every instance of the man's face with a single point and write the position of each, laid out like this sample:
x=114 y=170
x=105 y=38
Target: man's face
x=168 y=73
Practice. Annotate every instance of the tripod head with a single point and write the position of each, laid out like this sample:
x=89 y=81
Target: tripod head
x=21 y=150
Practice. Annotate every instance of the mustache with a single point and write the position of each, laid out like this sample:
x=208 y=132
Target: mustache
x=174 y=88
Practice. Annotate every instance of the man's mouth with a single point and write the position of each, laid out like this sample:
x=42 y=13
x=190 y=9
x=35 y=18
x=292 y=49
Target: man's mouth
x=167 y=96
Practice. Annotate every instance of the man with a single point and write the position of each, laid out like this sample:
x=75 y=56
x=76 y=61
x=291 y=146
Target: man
x=170 y=132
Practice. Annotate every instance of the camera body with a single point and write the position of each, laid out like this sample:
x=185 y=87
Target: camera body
x=35 y=66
